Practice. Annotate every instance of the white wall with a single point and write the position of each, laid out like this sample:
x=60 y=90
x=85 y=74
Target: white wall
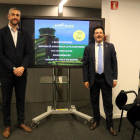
x=122 y=28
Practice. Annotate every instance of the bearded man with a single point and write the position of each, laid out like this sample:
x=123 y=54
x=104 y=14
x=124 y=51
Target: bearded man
x=15 y=55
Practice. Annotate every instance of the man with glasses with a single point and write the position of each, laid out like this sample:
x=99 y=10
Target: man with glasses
x=100 y=73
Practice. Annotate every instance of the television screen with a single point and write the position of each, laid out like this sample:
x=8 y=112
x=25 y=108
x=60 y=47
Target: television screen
x=59 y=42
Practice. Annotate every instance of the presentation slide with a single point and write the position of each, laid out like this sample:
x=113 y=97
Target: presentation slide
x=60 y=42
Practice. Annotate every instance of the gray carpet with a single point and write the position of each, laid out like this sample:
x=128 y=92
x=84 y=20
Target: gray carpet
x=64 y=127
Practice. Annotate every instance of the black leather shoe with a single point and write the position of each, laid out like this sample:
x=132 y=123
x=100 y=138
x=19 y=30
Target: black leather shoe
x=94 y=125
x=112 y=131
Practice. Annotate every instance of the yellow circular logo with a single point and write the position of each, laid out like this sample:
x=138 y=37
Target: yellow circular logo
x=79 y=35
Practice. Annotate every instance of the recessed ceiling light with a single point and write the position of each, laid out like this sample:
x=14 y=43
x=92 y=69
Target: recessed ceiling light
x=61 y=5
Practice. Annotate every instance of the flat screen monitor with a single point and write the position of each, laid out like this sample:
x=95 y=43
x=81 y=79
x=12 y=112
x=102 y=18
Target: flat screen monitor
x=59 y=41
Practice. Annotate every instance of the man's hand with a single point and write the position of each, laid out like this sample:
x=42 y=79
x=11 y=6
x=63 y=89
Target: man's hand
x=19 y=71
x=86 y=84
x=114 y=83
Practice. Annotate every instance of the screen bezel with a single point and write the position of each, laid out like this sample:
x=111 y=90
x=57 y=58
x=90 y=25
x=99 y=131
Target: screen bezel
x=60 y=18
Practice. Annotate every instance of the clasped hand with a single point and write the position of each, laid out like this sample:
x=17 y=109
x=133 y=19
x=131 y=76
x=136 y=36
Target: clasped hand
x=19 y=71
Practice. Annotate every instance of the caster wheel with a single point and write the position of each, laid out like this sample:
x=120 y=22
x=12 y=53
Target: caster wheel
x=34 y=125
x=86 y=123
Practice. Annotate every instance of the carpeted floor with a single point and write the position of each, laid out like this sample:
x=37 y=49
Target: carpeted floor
x=63 y=126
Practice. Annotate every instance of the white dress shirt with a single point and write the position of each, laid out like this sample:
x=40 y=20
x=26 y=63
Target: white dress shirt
x=14 y=34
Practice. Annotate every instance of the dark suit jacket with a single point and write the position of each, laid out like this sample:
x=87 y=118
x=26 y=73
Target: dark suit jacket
x=110 y=63
x=11 y=56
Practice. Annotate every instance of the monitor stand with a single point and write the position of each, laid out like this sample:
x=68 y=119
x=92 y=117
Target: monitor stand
x=69 y=110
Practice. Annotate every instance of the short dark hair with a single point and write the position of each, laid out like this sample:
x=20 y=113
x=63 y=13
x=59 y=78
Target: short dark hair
x=14 y=8
x=97 y=27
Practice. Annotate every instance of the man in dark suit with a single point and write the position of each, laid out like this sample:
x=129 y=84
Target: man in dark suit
x=100 y=72
x=14 y=58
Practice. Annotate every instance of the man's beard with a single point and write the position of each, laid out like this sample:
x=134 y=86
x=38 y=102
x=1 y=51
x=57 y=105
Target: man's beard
x=11 y=21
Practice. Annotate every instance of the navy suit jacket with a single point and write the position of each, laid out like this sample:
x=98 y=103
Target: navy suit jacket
x=11 y=56
x=110 y=64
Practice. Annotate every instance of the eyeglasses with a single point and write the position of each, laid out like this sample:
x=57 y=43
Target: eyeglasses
x=98 y=33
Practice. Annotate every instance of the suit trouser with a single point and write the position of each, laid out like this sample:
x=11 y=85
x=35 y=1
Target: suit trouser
x=19 y=84
x=101 y=83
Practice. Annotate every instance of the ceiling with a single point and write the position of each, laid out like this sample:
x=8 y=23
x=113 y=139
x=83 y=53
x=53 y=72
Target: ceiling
x=71 y=3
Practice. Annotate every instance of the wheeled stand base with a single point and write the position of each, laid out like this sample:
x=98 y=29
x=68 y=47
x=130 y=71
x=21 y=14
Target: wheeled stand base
x=70 y=109
x=35 y=121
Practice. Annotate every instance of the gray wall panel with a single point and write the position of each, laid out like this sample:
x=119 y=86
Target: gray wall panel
x=92 y=13
x=3 y=14
x=45 y=10
x=81 y=12
x=26 y=10
x=43 y=92
x=87 y=93
x=30 y=90
x=77 y=84
x=73 y=12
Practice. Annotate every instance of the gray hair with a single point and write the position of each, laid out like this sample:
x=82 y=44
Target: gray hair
x=14 y=8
